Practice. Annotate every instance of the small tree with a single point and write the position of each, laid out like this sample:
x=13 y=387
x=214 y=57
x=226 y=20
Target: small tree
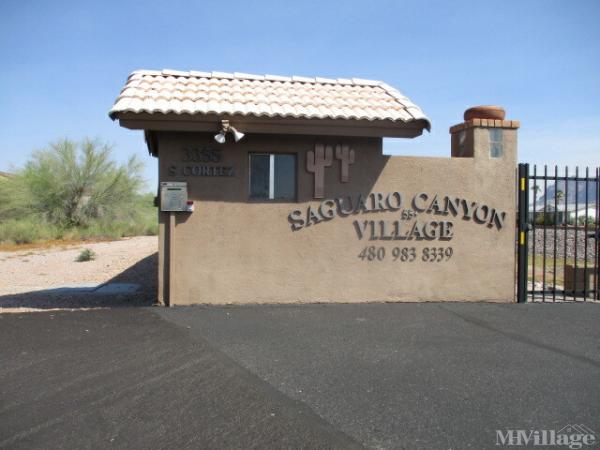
x=70 y=183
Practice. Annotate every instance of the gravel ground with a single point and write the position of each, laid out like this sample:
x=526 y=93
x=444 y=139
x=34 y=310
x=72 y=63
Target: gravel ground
x=28 y=278
x=560 y=243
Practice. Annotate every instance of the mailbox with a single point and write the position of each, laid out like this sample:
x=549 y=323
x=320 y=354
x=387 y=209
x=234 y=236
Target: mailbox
x=173 y=197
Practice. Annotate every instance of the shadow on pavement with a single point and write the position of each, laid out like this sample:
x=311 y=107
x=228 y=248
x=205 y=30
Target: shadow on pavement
x=123 y=378
x=143 y=273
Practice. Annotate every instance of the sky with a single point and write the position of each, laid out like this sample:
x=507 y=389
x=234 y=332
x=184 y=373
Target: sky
x=62 y=63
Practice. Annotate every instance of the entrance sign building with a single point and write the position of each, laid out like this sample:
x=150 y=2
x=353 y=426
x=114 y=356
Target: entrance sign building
x=301 y=204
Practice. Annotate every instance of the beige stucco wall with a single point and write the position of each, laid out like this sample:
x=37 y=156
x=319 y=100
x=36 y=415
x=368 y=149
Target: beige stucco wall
x=232 y=250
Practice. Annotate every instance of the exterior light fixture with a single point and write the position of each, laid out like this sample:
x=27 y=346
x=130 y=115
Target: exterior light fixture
x=237 y=135
x=226 y=128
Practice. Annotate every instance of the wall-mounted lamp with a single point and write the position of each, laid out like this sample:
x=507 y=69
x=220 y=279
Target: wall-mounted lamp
x=226 y=128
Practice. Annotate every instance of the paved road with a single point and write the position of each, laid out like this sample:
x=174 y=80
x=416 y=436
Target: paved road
x=127 y=379
x=431 y=376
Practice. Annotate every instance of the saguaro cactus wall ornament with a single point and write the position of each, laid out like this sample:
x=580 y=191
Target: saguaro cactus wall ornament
x=316 y=161
x=346 y=157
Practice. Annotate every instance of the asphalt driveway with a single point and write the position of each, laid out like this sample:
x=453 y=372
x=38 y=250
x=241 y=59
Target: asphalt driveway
x=412 y=376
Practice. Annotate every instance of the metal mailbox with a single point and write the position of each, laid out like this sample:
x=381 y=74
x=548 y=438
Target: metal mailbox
x=173 y=196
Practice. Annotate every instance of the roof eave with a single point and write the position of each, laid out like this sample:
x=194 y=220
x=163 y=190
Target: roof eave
x=271 y=125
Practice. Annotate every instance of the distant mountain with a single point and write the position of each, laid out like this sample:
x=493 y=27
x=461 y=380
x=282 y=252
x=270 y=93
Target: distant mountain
x=571 y=192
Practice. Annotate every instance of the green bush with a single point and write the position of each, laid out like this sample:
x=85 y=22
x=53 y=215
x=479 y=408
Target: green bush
x=548 y=218
x=86 y=255
x=581 y=221
x=26 y=231
x=75 y=190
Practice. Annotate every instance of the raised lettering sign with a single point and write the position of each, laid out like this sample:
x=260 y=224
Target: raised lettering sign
x=421 y=203
x=208 y=157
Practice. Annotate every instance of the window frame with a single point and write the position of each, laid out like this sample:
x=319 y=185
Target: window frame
x=496 y=137
x=271 y=198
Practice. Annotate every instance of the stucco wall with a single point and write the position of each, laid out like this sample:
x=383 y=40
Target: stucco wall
x=232 y=250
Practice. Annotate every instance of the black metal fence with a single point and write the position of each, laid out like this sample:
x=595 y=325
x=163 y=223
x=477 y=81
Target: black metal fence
x=558 y=234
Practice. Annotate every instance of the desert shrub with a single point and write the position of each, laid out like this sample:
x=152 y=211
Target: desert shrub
x=25 y=231
x=72 y=183
x=583 y=220
x=75 y=190
x=547 y=218
x=86 y=255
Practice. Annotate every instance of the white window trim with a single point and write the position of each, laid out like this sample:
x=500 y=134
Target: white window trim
x=271 y=195
x=271 y=176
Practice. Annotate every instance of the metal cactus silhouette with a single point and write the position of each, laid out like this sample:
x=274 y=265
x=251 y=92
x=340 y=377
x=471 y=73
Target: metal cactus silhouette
x=346 y=157
x=316 y=161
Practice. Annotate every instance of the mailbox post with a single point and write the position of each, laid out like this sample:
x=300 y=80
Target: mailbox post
x=173 y=199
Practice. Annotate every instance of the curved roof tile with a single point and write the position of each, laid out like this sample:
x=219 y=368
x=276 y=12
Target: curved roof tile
x=162 y=92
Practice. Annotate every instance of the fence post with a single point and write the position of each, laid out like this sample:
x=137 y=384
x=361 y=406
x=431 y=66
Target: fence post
x=597 y=235
x=522 y=238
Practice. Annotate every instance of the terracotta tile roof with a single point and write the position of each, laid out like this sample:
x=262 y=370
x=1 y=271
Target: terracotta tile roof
x=170 y=91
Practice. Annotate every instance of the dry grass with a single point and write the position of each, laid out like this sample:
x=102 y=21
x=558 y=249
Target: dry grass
x=62 y=244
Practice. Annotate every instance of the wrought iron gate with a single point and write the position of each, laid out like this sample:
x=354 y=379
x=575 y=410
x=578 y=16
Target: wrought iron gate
x=558 y=235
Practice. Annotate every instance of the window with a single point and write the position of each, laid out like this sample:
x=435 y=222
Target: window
x=462 y=145
x=272 y=176
x=496 y=150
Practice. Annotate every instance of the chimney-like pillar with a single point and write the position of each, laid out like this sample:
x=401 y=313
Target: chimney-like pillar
x=485 y=134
